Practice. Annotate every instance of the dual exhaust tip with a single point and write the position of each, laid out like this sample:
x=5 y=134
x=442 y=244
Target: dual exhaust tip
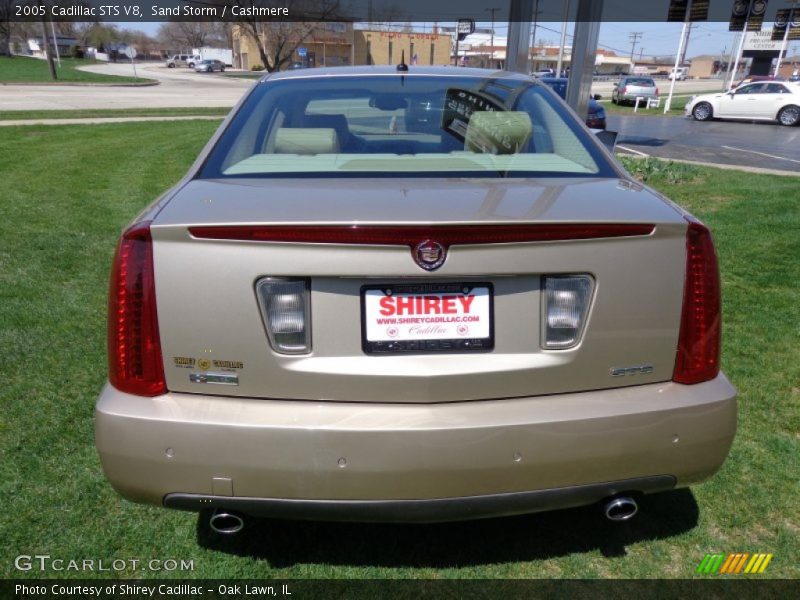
x=618 y=508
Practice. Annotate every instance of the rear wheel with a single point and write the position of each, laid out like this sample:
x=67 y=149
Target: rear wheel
x=702 y=112
x=222 y=69
x=789 y=115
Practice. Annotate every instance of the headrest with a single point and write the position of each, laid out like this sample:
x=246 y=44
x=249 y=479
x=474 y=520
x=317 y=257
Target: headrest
x=306 y=141
x=337 y=122
x=498 y=132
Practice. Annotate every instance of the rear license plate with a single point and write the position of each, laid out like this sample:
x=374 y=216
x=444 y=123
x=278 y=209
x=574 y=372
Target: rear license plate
x=427 y=317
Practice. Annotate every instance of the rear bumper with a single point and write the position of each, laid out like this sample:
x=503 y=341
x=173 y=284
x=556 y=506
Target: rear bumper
x=632 y=97
x=357 y=461
x=422 y=511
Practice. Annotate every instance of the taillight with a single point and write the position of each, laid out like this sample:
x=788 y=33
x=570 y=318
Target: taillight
x=624 y=89
x=697 y=359
x=135 y=365
x=656 y=90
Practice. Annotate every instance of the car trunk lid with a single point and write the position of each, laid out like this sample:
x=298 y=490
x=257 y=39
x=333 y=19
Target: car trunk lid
x=211 y=322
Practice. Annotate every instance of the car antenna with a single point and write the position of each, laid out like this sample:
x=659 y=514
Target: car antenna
x=402 y=66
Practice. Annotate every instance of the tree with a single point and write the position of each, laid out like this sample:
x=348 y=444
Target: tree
x=277 y=40
x=180 y=35
x=6 y=8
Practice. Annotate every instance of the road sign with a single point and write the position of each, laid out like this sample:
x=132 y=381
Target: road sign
x=677 y=11
x=465 y=28
x=302 y=51
x=756 y=18
x=130 y=52
x=783 y=19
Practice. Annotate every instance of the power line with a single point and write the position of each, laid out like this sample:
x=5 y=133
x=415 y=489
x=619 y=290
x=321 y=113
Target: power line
x=634 y=36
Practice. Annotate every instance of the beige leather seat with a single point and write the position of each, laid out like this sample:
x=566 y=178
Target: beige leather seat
x=306 y=141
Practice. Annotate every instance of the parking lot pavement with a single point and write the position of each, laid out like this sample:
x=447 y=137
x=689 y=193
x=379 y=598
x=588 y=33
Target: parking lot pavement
x=178 y=87
x=750 y=144
x=690 y=86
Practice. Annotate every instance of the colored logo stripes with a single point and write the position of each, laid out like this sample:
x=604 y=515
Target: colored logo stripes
x=736 y=563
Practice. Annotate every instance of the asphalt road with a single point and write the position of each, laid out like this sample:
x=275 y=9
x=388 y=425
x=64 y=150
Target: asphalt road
x=178 y=87
x=183 y=87
x=751 y=144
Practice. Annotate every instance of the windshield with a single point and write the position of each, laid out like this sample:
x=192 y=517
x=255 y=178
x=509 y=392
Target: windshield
x=404 y=125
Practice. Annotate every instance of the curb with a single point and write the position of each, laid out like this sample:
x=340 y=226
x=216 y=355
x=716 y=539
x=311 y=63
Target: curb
x=756 y=170
x=106 y=120
x=146 y=83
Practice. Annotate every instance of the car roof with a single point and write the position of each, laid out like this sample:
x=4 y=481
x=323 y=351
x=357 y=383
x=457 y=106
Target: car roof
x=366 y=71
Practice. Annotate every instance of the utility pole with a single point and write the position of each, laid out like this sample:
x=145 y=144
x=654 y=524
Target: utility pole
x=55 y=42
x=634 y=38
x=563 y=41
x=686 y=43
x=535 y=23
x=48 y=55
x=492 y=11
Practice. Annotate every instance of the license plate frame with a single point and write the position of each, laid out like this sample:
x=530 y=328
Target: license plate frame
x=428 y=346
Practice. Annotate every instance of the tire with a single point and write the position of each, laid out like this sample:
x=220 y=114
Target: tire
x=789 y=115
x=613 y=100
x=171 y=65
x=222 y=69
x=703 y=112
x=190 y=65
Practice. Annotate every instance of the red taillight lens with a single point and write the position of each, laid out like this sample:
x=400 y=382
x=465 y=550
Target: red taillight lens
x=699 y=341
x=656 y=91
x=410 y=235
x=134 y=348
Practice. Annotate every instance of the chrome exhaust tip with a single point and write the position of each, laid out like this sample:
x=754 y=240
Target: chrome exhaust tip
x=225 y=523
x=620 y=508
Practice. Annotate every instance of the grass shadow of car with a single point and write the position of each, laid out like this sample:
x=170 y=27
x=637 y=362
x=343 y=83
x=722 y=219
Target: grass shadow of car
x=530 y=537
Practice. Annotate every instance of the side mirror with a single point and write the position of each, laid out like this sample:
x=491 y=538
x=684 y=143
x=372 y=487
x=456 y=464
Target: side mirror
x=608 y=139
x=597 y=96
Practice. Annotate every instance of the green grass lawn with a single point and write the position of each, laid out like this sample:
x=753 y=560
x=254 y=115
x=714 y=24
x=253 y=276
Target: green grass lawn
x=13 y=115
x=675 y=109
x=67 y=192
x=24 y=69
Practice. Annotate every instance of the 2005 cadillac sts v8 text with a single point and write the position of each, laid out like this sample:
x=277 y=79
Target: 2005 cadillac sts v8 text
x=419 y=294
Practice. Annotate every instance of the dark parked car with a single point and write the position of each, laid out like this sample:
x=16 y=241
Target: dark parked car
x=596 y=115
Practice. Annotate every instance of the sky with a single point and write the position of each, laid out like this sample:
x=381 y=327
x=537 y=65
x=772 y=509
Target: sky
x=657 y=39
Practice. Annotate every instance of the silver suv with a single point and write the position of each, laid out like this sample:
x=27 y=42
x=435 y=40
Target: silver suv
x=182 y=60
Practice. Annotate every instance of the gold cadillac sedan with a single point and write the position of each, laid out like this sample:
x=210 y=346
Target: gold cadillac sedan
x=419 y=294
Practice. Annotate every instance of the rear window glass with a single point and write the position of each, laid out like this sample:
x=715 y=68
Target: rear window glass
x=643 y=81
x=411 y=125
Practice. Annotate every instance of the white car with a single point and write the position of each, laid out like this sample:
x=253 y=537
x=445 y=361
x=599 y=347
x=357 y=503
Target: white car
x=756 y=101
